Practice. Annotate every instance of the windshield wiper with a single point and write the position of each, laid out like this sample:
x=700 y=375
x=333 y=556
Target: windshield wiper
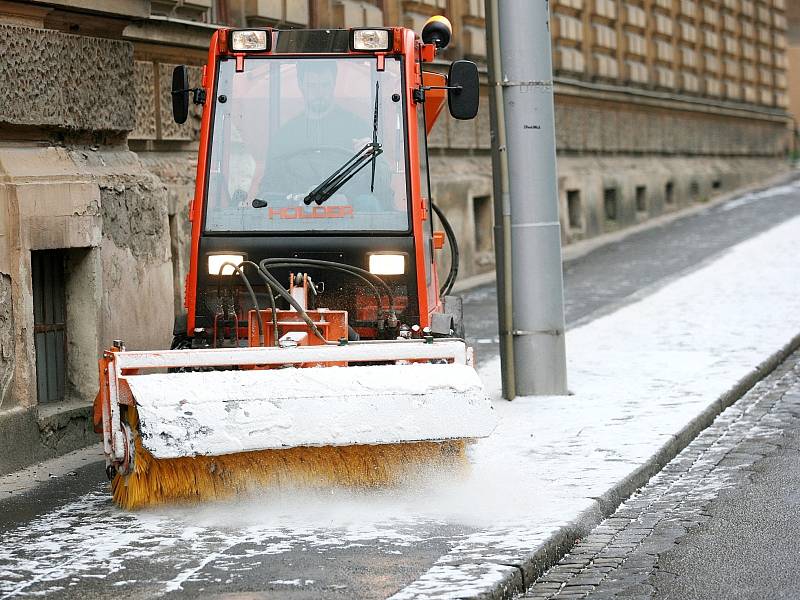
x=374 y=136
x=348 y=170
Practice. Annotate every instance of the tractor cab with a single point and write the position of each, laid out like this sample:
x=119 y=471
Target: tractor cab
x=312 y=247
x=313 y=164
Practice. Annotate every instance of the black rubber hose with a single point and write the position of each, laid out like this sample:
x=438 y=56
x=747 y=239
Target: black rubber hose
x=292 y=302
x=448 y=284
x=317 y=262
x=239 y=271
x=378 y=297
x=271 y=303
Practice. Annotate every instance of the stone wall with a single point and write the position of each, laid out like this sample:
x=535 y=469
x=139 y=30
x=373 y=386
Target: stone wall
x=69 y=182
x=66 y=81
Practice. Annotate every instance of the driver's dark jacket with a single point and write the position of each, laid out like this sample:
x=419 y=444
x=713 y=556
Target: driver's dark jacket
x=307 y=150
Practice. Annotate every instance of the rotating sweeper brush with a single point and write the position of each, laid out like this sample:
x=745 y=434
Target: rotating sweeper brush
x=212 y=434
x=312 y=170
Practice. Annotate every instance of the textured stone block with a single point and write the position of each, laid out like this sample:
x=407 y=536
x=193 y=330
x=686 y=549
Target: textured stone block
x=145 y=101
x=67 y=81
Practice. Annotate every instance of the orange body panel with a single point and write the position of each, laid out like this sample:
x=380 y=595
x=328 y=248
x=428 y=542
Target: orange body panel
x=434 y=99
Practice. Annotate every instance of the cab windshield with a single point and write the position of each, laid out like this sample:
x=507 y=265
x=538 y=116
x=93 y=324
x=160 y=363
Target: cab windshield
x=308 y=144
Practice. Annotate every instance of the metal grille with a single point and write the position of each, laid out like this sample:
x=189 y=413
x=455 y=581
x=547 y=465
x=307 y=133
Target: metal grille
x=49 y=318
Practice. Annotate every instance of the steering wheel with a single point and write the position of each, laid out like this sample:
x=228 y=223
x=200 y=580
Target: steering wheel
x=297 y=164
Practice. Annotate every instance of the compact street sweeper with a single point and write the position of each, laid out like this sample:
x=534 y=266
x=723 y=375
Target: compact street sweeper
x=318 y=346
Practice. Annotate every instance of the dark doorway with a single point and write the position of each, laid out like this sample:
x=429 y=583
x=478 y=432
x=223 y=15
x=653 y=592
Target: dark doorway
x=610 y=203
x=49 y=319
x=574 y=209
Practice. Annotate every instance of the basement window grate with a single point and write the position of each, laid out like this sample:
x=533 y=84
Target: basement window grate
x=49 y=323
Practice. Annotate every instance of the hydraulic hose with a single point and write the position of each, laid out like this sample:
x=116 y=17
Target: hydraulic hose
x=271 y=304
x=377 y=294
x=239 y=271
x=327 y=263
x=447 y=286
x=283 y=293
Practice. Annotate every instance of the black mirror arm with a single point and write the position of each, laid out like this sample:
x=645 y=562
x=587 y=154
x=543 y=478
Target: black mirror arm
x=198 y=94
x=456 y=88
x=419 y=93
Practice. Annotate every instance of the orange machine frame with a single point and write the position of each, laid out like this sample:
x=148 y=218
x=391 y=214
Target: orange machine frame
x=405 y=43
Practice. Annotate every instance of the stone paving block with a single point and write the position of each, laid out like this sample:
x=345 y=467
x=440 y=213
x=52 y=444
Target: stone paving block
x=612 y=562
x=582 y=580
x=616 y=521
x=551 y=577
x=576 y=589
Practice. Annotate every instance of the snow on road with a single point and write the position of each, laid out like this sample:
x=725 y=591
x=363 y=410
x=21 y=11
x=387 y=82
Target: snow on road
x=638 y=376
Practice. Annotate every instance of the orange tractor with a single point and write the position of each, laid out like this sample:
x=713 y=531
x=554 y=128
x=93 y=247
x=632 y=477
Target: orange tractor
x=319 y=344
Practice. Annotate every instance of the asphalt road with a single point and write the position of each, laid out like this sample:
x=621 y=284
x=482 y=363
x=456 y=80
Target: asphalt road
x=65 y=539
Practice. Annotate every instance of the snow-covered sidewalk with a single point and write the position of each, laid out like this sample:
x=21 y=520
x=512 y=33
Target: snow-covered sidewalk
x=638 y=376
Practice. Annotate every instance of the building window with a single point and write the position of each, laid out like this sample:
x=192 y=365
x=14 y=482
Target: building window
x=669 y=193
x=49 y=319
x=574 y=209
x=716 y=184
x=610 y=203
x=641 y=198
x=694 y=191
x=482 y=217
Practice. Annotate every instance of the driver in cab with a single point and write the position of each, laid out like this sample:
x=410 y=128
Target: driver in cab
x=311 y=146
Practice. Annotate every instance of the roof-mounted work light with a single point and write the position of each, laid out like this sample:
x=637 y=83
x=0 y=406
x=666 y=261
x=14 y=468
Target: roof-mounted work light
x=250 y=40
x=371 y=40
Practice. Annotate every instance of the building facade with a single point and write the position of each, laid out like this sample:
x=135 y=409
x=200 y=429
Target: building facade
x=659 y=104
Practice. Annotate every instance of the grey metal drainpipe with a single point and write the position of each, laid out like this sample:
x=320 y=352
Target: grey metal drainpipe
x=502 y=203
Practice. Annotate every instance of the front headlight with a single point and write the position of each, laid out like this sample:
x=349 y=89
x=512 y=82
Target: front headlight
x=215 y=262
x=387 y=264
x=250 y=40
x=371 y=40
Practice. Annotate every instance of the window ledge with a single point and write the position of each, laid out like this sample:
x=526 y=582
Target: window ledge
x=59 y=414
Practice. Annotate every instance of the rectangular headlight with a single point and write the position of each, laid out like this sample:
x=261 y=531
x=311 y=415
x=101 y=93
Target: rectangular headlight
x=250 y=40
x=387 y=264
x=215 y=262
x=371 y=40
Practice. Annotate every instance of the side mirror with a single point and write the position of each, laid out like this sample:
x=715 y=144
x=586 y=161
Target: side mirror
x=180 y=94
x=463 y=101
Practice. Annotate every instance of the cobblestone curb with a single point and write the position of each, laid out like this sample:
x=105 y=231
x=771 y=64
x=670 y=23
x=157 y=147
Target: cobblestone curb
x=529 y=570
x=620 y=554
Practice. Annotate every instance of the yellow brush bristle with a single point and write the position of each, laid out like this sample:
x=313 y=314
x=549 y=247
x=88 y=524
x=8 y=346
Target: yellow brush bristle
x=203 y=478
